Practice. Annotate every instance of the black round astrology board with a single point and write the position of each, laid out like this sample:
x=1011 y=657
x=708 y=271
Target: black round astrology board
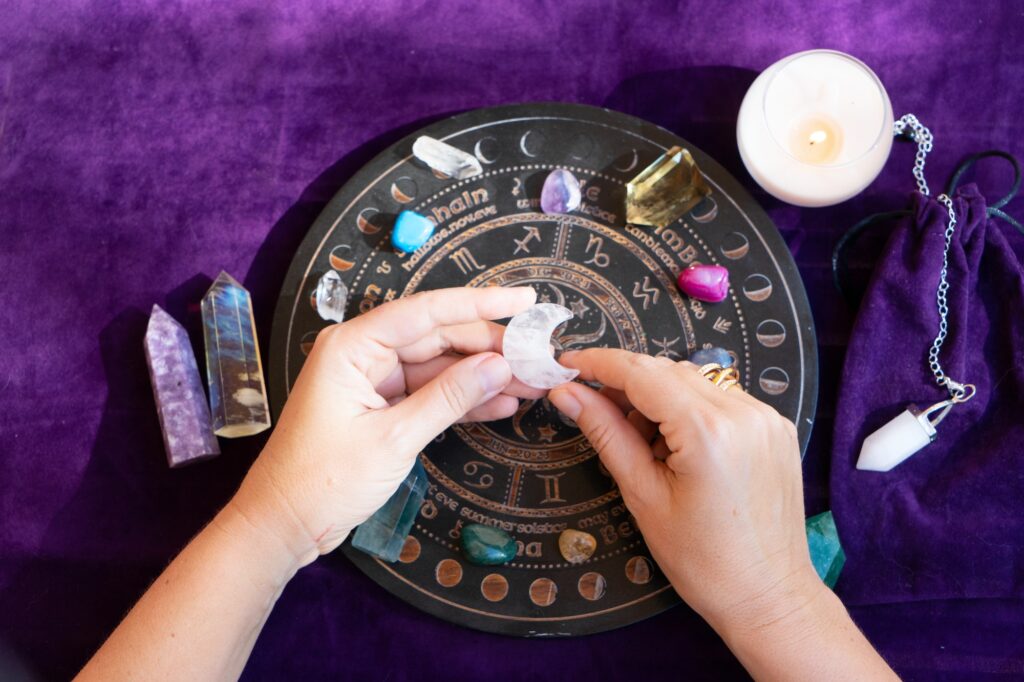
x=534 y=474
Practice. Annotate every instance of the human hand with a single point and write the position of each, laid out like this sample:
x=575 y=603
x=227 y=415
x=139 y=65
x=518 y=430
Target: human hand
x=374 y=391
x=712 y=477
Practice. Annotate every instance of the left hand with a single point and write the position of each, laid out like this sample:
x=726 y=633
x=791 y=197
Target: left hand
x=372 y=394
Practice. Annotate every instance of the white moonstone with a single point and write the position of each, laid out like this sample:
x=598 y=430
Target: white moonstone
x=445 y=158
x=527 y=346
x=331 y=296
x=895 y=442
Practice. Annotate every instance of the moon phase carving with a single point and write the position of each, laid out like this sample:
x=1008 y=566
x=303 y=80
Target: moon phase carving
x=534 y=474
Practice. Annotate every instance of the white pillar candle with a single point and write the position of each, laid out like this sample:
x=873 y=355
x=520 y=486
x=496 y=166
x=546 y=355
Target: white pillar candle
x=815 y=128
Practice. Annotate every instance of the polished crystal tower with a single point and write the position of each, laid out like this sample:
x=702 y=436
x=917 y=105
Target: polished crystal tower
x=238 y=396
x=383 y=534
x=178 y=392
x=665 y=190
x=446 y=159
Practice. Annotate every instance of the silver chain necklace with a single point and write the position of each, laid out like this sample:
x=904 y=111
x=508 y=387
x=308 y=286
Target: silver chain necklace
x=914 y=428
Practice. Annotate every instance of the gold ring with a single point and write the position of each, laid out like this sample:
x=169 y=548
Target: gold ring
x=723 y=377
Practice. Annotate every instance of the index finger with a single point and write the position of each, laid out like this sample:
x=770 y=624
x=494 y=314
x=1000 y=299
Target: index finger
x=406 y=320
x=651 y=384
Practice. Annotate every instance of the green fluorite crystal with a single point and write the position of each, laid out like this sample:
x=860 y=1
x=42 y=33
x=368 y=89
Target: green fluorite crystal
x=486 y=545
x=827 y=554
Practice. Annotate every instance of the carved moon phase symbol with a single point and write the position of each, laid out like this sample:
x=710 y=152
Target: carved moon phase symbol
x=339 y=263
x=757 y=288
x=592 y=586
x=439 y=175
x=735 y=246
x=633 y=161
x=403 y=190
x=307 y=341
x=771 y=333
x=488 y=155
x=364 y=224
x=638 y=571
x=580 y=146
x=705 y=211
x=538 y=142
x=527 y=346
x=773 y=380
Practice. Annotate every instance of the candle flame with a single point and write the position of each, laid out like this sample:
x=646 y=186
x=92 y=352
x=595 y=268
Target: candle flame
x=818 y=136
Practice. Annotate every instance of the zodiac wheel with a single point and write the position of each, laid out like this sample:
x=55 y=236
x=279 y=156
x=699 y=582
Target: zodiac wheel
x=534 y=474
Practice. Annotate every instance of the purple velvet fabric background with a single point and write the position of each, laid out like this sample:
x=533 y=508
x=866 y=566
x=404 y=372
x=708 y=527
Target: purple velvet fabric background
x=144 y=147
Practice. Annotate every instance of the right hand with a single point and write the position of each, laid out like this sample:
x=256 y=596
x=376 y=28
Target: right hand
x=712 y=478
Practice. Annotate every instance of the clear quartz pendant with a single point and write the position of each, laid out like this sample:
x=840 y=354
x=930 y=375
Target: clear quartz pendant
x=910 y=431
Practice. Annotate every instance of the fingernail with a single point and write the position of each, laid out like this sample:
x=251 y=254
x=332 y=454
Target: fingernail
x=494 y=374
x=565 y=402
x=565 y=357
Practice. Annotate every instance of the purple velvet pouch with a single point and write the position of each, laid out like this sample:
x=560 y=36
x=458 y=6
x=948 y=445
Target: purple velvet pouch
x=947 y=523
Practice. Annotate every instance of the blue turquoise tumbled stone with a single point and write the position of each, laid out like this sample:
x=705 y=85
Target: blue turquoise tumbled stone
x=411 y=231
x=486 y=545
x=827 y=554
x=706 y=356
x=383 y=534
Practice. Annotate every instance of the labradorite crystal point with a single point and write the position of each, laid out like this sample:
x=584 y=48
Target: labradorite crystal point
x=665 y=190
x=827 y=553
x=487 y=546
x=238 y=394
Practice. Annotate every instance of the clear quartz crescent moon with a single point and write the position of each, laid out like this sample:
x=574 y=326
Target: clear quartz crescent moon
x=527 y=346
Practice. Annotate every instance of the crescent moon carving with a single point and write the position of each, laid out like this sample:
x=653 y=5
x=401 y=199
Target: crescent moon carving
x=339 y=263
x=771 y=333
x=527 y=346
x=757 y=288
x=773 y=380
x=306 y=344
x=522 y=144
x=735 y=252
x=479 y=154
x=703 y=213
x=401 y=196
x=631 y=165
x=364 y=225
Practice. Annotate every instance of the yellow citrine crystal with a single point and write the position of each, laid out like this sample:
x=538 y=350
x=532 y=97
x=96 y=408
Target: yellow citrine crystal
x=665 y=190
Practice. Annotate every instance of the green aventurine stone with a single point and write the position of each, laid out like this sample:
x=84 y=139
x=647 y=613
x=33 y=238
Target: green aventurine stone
x=827 y=554
x=487 y=546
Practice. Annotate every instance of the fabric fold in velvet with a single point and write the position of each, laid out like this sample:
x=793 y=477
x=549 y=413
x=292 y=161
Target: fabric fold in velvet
x=946 y=523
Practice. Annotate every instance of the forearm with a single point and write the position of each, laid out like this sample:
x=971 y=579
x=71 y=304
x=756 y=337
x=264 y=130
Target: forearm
x=810 y=638
x=201 y=617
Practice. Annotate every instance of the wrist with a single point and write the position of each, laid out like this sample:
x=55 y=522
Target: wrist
x=259 y=509
x=789 y=612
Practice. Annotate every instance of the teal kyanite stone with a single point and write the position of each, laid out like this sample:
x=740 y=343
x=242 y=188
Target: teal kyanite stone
x=827 y=554
x=383 y=534
x=487 y=546
x=411 y=231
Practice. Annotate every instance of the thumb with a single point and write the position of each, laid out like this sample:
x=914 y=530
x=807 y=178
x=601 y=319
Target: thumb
x=447 y=398
x=624 y=452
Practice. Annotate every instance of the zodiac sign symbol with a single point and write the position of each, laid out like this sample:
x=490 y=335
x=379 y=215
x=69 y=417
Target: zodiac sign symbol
x=648 y=293
x=666 y=347
x=601 y=260
x=521 y=244
x=721 y=325
x=465 y=260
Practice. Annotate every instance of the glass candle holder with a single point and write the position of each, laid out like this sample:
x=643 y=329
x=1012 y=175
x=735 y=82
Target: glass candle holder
x=815 y=128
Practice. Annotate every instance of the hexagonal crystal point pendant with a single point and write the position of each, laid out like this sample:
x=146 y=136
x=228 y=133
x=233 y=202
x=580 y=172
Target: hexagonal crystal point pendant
x=238 y=394
x=665 y=190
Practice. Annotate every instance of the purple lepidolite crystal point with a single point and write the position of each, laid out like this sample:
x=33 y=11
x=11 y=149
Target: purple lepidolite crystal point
x=178 y=391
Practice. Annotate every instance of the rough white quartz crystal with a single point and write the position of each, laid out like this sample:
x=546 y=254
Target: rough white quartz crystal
x=527 y=346
x=331 y=296
x=896 y=441
x=445 y=158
